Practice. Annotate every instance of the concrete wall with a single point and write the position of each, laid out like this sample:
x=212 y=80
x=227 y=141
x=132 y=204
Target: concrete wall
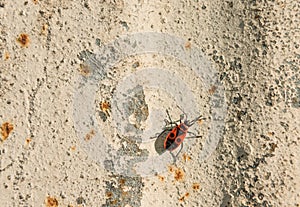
x=73 y=135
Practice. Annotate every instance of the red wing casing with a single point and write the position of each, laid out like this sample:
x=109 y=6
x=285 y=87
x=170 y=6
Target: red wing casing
x=175 y=137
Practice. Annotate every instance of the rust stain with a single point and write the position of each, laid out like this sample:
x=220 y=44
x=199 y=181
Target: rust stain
x=196 y=186
x=73 y=148
x=6 y=55
x=51 y=202
x=161 y=178
x=212 y=90
x=23 y=39
x=124 y=194
x=171 y=168
x=44 y=29
x=186 y=157
x=178 y=174
x=109 y=194
x=273 y=147
x=188 y=45
x=182 y=198
x=200 y=121
x=114 y=202
x=105 y=107
x=84 y=70
x=122 y=181
x=125 y=189
x=35 y=1
x=271 y=133
x=27 y=141
x=89 y=135
x=6 y=129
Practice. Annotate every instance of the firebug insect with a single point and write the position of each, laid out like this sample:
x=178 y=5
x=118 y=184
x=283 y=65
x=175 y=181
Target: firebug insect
x=176 y=133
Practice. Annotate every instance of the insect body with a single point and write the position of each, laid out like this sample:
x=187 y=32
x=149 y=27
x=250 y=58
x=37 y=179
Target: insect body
x=178 y=132
x=175 y=137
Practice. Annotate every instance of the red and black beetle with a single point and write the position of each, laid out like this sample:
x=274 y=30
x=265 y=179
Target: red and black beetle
x=177 y=132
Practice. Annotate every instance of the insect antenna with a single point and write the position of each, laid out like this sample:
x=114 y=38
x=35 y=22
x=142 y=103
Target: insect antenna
x=196 y=119
x=185 y=115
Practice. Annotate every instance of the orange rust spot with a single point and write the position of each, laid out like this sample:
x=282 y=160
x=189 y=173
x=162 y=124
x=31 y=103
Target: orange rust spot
x=23 y=39
x=171 y=168
x=212 y=90
x=44 y=29
x=196 y=186
x=182 y=198
x=6 y=129
x=51 y=202
x=89 y=135
x=105 y=107
x=84 y=70
x=188 y=45
x=27 y=141
x=109 y=194
x=161 y=178
x=271 y=133
x=124 y=194
x=35 y=1
x=73 y=148
x=6 y=56
x=178 y=174
x=273 y=147
x=200 y=121
x=186 y=157
x=114 y=202
x=122 y=181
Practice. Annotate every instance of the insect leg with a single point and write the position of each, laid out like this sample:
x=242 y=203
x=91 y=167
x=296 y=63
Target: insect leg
x=194 y=137
x=175 y=156
x=192 y=133
x=155 y=136
x=183 y=113
x=159 y=134
x=169 y=115
x=181 y=146
x=170 y=122
x=196 y=119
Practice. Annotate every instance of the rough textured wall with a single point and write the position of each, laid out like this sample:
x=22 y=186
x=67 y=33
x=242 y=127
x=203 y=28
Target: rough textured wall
x=50 y=49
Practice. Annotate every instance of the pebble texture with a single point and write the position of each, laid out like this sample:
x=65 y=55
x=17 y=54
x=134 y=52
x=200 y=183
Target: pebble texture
x=254 y=46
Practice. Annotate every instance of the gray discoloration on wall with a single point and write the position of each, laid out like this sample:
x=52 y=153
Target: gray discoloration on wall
x=122 y=190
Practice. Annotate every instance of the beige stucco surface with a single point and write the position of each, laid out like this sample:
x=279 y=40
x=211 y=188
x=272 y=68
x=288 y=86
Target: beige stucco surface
x=253 y=46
